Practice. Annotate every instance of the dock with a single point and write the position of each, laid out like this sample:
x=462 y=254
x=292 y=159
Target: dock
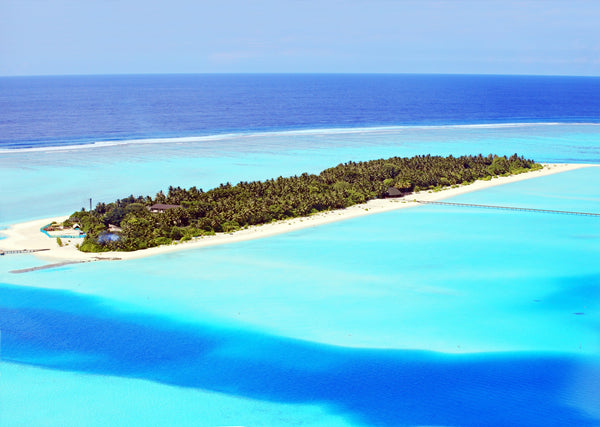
x=21 y=251
x=510 y=208
x=45 y=267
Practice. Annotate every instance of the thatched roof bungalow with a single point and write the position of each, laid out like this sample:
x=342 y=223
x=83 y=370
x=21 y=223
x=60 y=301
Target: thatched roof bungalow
x=393 y=192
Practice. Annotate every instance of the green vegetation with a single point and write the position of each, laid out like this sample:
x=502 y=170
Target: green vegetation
x=59 y=241
x=228 y=208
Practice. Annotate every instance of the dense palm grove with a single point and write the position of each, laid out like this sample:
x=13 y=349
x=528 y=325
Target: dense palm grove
x=230 y=207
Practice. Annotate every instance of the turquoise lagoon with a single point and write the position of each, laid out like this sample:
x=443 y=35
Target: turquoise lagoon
x=428 y=316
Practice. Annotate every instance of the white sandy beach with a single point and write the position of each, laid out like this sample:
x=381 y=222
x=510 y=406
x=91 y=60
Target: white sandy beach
x=28 y=235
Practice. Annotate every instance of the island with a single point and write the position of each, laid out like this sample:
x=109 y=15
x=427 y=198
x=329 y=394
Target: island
x=142 y=222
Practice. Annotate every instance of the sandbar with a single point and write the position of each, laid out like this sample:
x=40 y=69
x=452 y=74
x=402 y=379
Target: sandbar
x=27 y=235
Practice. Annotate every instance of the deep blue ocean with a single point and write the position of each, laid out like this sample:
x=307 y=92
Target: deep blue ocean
x=47 y=111
x=435 y=315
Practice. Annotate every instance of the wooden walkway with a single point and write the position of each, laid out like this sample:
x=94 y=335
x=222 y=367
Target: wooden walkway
x=44 y=267
x=21 y=251
x=510 y=208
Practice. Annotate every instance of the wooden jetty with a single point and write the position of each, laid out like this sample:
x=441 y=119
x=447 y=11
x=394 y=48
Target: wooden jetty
x=510 y=208
x=45 y=267
x=21 y=251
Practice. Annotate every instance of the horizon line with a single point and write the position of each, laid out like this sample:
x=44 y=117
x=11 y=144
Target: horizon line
x=266 y=73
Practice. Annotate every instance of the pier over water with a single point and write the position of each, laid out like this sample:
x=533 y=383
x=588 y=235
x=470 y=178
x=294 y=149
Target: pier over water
x=510 y=208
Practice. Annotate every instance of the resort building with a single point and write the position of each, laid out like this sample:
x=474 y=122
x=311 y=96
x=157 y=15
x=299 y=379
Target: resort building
x=160 y=207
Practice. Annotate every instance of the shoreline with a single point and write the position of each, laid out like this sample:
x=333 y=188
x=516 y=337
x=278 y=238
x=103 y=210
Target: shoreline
x=27 y=235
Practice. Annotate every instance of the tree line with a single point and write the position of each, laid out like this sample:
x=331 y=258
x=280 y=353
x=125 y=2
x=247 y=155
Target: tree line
x=227 y=207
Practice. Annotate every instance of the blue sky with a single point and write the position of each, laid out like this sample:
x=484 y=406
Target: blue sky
x=383 y=36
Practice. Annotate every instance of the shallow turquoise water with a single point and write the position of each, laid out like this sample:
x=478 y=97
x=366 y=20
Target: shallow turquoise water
x=506 y=301
x=100 y=400
x=389 y=280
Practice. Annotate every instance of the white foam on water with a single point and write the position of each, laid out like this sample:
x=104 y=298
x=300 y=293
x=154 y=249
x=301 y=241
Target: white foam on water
x=289 y=133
